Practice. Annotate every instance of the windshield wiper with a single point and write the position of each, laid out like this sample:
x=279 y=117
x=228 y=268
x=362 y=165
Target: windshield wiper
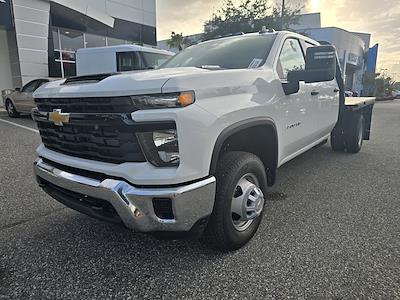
x=210 y=67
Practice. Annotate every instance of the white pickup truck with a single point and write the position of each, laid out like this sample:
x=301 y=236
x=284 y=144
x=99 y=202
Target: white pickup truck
x=193 y=146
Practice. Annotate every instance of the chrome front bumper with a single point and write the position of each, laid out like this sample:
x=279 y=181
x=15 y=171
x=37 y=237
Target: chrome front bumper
x=134 y=206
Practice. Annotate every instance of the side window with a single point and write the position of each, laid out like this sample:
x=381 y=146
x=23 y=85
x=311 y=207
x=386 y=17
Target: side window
x=30 y=87
x=291 y=58
x=128 y=61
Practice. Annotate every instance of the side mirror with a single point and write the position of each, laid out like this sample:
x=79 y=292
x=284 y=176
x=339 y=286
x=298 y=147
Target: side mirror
x=18 y=89
x=320 y=66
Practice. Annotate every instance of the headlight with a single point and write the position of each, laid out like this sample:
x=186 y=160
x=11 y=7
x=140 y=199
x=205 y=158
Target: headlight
x=170 y=100
x=160 y=147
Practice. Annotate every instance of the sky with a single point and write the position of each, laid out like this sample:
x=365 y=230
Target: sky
x=381 y=18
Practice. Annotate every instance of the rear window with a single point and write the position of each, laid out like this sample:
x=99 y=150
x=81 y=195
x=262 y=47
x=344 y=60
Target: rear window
x=128 y=61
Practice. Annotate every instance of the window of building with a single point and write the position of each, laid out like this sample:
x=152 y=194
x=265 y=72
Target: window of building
x=71 y=40
x=114 y=42
x=66 y=42
x=92 y=40
x=291 y=58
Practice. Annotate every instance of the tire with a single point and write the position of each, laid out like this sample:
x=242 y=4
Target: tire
x=11 y=110
x=337 y=140
x=355 y=135
x=225 y=229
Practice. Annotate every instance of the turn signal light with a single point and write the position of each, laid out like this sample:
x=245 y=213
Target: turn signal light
x=186 y=98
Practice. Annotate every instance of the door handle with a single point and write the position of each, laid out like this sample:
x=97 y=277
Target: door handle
x=336 y=90
x=314 y=93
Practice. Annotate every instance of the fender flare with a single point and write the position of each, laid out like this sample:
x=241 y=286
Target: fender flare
x=239 y=126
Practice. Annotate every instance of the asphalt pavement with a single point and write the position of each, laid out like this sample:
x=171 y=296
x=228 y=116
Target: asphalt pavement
x=331 y=231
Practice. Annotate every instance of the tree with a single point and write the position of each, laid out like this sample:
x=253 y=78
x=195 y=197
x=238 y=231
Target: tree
x=248 y=16
x=385 y=85
x=396 y=86
x=177 y=41
x=379 y=84
x=369 y=84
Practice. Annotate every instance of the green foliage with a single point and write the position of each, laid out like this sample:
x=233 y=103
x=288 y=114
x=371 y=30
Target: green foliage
x=248 y=16
x=385 y=85
x=380 y=85
x=178 y=41
x=369 y=83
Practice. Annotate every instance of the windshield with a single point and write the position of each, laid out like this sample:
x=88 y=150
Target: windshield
x=239 y=52
x=154 y=60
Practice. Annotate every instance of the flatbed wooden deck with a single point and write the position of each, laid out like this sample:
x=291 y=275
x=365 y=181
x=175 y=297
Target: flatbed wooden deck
x=359 y=102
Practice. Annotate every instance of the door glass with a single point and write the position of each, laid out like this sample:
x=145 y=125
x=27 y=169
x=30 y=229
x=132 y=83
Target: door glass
x=291 y=58
x=30 y=87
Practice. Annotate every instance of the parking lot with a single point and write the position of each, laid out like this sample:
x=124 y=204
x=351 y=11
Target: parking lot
x=331 y=230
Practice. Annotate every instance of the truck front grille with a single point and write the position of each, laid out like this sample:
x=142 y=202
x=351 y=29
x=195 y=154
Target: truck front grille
x=98 y=128
x=96 y=139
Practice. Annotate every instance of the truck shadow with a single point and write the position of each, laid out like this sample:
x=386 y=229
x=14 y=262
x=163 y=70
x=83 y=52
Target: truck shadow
x=76 y=243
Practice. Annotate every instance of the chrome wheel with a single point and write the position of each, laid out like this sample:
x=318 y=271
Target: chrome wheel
x=247 y=202
x=10 y=108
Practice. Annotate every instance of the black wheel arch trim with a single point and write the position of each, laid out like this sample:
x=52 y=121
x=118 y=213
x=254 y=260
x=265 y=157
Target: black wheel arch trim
x=239 y=126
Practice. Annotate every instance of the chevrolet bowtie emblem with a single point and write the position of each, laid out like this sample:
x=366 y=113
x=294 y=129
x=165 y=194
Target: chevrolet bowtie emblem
x=58 y=118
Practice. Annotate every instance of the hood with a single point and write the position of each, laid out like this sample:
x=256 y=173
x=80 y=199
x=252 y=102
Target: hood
x=130 y=83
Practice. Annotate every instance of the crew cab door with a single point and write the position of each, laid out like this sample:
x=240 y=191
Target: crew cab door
x=296 y=108
x=325 y=111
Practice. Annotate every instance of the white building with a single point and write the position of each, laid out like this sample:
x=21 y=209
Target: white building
x=355 y=55
x=38 y=38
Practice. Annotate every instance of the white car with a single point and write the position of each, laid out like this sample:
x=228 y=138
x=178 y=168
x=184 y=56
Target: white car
x=193 y=146
x=20 y=100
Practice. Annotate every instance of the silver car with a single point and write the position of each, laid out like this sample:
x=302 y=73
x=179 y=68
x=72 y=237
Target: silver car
x=21 y=100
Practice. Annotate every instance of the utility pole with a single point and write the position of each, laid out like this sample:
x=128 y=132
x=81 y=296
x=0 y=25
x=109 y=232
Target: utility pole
x=283 y=12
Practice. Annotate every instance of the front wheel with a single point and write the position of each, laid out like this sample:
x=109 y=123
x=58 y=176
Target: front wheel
x=239 y=202
x=11 y=111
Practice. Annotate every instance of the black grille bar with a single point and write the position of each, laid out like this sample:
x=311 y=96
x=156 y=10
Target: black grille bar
x=107 y=137
x=87 y=105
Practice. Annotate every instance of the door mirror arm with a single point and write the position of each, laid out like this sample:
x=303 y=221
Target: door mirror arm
x=291 y=87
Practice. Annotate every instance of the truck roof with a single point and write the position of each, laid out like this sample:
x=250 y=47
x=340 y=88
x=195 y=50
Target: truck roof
x=281 y=33
x=125 y=48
